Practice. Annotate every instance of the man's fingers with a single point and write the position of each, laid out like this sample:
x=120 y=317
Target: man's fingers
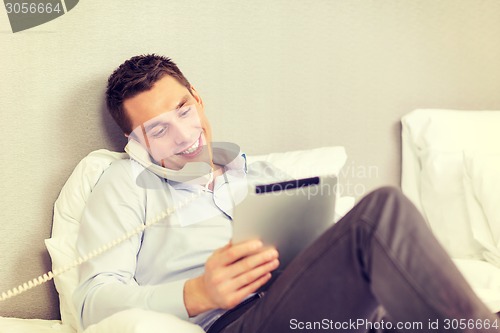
x=252 y=287
x=250 y=262
x=236 y=252
x=253 y=275
x=248 y=277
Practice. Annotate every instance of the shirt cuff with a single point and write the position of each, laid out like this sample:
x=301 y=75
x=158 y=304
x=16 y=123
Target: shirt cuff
x=169 y=298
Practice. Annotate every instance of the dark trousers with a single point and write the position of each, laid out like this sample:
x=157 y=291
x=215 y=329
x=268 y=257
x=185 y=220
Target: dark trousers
x=380 y=255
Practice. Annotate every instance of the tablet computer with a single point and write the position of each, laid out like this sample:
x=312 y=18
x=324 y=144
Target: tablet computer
x=289 y=215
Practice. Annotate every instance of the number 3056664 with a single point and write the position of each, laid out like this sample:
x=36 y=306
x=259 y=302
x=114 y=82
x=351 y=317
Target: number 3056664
x=32 y=8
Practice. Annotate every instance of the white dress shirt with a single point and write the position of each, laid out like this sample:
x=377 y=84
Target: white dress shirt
x=149 y=271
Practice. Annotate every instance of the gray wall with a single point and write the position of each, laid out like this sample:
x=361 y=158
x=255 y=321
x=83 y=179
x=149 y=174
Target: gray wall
x=275 y=76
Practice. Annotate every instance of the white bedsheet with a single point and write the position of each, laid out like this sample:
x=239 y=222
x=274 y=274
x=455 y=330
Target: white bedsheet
x=484 y=278
x=17 y=325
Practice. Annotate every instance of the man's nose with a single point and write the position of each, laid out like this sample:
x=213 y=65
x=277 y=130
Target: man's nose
x=181 y=134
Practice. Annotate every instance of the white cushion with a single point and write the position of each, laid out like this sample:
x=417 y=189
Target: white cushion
x=69 y=206
x=18 y=325
x=142 y=321
x=435 y=179
x=306 y=163
x=432 y=175
x=484 y=280
x=447 y=130
x=443 y=202
x=68 y=210
x=482 y=179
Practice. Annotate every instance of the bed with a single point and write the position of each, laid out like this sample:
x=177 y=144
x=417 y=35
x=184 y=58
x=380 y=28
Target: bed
x=449 y=170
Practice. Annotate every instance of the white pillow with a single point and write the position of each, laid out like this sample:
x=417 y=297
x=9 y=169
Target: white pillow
x=482 y=179
x=18 y=325
x=143 y=321
x=68 y=210
x=443 y=201
x=452 y=129
x=448 y=130
x=484 y=280
x=69 y=206
x=432 y=175
x=306 y=163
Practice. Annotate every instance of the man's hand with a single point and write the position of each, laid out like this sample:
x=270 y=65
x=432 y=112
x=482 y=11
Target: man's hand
x=231 y=273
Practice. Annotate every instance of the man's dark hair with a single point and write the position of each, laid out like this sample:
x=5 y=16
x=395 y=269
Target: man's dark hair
x=136 y=75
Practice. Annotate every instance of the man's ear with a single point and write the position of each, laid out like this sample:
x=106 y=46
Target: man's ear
x=196 y=96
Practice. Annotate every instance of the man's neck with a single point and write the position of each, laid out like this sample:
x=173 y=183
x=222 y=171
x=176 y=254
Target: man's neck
x=218 y=170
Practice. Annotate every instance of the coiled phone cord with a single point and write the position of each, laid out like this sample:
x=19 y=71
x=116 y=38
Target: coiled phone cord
x=92 y=254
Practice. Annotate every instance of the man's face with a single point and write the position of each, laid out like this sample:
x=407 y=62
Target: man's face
x=170 y=123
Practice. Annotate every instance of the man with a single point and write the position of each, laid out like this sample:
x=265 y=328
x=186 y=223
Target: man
x=380 y=253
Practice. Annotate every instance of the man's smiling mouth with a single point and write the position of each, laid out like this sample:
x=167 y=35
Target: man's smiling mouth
x=195 y=148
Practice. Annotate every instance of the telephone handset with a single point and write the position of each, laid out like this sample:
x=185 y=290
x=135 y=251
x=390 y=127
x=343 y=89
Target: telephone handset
x=199 y=172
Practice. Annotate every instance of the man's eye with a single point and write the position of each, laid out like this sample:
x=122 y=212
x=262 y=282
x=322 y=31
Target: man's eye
x=158 y=133
x=184 y=111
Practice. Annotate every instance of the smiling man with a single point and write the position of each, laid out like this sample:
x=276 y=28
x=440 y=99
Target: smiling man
x=380 y=254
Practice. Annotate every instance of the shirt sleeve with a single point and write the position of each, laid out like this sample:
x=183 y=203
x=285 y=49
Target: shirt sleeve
x=106 y=282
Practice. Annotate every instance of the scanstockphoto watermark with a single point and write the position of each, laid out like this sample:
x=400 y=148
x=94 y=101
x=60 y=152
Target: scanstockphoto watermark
x=412 y=326
x=353 y=324
x=26 y=14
